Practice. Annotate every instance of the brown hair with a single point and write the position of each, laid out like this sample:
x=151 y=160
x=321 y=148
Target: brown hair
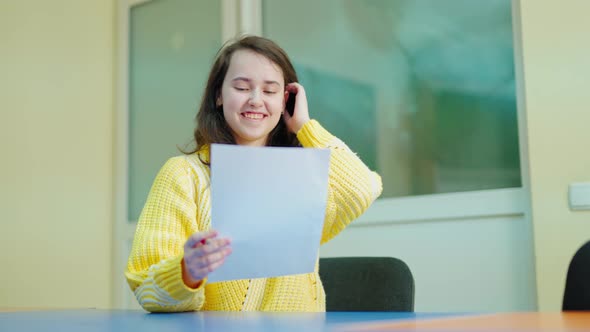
x=211 y=126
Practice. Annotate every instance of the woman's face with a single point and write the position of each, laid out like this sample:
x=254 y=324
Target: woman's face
x=253 y=97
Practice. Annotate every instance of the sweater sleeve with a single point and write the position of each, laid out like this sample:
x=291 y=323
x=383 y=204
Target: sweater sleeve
x=352 y=185
x=168 y=218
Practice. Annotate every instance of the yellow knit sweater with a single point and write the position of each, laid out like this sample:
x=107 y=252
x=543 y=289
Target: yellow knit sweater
x=179 y=205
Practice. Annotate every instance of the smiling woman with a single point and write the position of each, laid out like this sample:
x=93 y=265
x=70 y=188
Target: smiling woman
x=175 y=249
x=245 y=97
x=252 y=97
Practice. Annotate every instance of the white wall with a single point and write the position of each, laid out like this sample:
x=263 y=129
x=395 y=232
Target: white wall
x=56 y=101
x=458 y=265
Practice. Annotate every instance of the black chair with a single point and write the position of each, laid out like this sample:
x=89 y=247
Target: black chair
x=577 y=285
x=367 y=284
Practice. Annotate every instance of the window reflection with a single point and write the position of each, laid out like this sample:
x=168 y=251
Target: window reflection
x=171 y=46
x=422 y=90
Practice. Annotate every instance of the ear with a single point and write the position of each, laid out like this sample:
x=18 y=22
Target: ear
x=286 y=97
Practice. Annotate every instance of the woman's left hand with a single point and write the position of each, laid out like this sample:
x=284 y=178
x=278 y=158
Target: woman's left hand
x=301 y=113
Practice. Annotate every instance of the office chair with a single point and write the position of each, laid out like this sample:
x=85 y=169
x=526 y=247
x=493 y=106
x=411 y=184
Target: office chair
x=367 y=284
x=577 y=285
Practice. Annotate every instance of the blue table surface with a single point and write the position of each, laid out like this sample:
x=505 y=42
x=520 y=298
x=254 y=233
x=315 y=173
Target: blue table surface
x=133 y=320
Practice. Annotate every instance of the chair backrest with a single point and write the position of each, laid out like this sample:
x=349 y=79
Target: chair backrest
x=577 y=285
x=367 y=284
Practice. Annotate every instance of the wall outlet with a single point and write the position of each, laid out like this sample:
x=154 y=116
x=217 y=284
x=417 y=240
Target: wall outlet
x=579 y=196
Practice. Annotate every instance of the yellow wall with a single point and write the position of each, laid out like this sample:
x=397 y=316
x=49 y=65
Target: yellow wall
x=557 y=80
x=56 y=103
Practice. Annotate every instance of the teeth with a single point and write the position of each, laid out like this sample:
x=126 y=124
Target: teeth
x=254 y=115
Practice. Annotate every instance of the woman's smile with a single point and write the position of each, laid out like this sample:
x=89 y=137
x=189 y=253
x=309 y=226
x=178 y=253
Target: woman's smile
x=254 y=116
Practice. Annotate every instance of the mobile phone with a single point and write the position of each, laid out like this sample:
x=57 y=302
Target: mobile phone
x=290 y=105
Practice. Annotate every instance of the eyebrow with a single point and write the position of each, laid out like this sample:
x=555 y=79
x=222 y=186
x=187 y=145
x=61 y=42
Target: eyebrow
x=245 y=79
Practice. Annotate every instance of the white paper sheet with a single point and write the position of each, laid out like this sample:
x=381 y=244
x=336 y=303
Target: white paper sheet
x=271 y=202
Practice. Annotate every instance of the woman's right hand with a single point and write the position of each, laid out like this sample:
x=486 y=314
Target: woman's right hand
x=204 y=252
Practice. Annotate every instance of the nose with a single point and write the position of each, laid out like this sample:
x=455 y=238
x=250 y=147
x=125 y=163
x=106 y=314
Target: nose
x=255 y=98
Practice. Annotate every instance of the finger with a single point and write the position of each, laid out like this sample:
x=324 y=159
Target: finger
x=292 y=87
x=202 y=273
x=199 y=269
x=204 y=261
x=218 y=242
x=300 y=97
x=295 y=87
x=215 y=266
x=212 y=246
x=192 y=256
x=198 y=238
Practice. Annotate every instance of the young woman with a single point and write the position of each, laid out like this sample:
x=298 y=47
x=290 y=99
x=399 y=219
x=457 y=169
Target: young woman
x=174 y=248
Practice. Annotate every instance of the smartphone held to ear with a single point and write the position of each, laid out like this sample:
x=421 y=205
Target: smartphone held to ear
x=290 y=104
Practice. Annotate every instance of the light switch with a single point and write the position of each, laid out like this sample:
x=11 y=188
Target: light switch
x=579 y=195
